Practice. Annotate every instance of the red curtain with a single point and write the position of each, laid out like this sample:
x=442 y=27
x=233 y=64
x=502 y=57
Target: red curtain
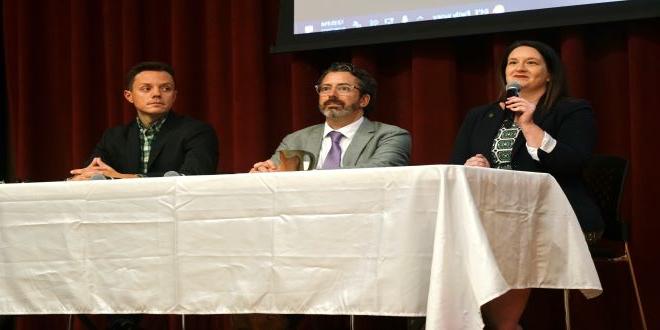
x=65 y=61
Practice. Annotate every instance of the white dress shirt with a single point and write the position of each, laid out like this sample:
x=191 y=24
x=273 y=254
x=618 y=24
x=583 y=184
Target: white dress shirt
x=347 y=131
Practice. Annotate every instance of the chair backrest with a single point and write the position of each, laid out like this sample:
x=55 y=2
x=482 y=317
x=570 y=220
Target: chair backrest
x=604 y=176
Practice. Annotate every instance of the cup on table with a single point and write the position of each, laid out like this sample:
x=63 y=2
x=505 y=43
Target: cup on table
x=296 y=160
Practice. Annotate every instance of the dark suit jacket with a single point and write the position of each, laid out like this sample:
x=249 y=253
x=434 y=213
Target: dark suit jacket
x=374 y=145
x=570 y=122
x=183 y=144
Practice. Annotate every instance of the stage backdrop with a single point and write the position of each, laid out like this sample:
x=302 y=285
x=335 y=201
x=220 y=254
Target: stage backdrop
x=65 y=61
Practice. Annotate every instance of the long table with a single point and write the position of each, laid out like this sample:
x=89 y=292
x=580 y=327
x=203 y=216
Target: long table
x=422 y=240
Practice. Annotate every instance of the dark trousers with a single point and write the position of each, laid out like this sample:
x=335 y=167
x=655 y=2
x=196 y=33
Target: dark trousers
x=124 y=321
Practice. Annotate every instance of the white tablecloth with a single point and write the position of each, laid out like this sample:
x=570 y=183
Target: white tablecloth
x=436 y=240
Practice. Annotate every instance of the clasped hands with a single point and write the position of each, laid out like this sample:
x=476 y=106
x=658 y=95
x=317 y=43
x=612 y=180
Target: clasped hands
x=95 y=167
x=265 y=166
x=290 y=160
x=477 y=160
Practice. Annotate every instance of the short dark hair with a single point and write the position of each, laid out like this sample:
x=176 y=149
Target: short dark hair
x=367 y=83
x=146 y=66
x=557 y=86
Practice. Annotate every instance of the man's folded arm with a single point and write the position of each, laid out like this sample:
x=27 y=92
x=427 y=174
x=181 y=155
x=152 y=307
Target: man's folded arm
x=201 y=153
x=393 y=150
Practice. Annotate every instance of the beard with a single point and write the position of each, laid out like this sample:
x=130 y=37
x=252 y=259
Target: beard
x=340 y=110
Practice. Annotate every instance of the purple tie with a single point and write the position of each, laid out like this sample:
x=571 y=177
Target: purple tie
x=333 y=159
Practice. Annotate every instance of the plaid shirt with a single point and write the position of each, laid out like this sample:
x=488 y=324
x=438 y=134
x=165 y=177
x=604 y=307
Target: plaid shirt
x=147 y=135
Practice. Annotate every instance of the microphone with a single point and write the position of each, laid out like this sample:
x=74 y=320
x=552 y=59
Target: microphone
x=172 y=173
x=98 y=176
x=511 y=89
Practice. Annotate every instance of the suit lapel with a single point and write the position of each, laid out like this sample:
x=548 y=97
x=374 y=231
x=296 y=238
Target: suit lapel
x=490 y=125
x=313 y=143
x=133 y=148
x=162 y=137
x=363 y=135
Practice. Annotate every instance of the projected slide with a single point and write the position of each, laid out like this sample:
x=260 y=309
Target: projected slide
x=312 y=16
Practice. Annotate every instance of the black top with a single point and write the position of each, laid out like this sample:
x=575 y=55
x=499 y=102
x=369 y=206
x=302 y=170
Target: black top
x=570 y=122
x=183 y=144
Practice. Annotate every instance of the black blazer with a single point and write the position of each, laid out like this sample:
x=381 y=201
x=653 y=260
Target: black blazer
x=183 y=144
x=570 y=122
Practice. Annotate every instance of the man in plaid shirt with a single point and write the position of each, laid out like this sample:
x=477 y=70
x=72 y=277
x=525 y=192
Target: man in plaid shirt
x=158 y=140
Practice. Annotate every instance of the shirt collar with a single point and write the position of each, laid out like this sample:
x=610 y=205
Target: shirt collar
x=347 y=131
x=155 y=126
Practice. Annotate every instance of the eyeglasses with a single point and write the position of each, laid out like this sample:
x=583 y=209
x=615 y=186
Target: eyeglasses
x=342 y=89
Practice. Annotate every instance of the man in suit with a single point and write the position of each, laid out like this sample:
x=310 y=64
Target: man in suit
x=347 y=139
x=158 y=140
